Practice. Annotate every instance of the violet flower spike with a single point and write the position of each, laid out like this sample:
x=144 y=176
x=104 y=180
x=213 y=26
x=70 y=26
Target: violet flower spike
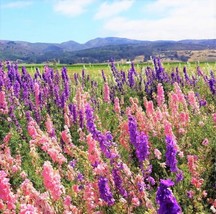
x=166 y=200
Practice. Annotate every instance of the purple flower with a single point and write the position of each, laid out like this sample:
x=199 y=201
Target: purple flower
x=81 y=119
x=103 y=139
x=166 y=200
x=105 y=192
x=212 y=86
x=179 y=176
x=131 y=74
x=132 y=123
x=73 y=112
x=80 y=177
x=76 y=78
x=142 y=147
x=171 y=154
x=73 y=163
x=103 y=75
x=118 y=183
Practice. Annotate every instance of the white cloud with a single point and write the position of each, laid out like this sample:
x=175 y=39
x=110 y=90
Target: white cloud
x=195 y=19
x=17 y=4
x=107 y=10
x=71 y=7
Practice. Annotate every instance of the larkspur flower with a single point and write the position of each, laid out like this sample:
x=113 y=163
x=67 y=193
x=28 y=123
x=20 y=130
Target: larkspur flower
x=166 y=200
x=171 y=153
x=105 y=192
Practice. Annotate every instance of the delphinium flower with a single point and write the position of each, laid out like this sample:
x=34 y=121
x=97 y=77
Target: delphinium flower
x=103 y=75
x=6 y=194
x=16 y=88
x=118 y=182
x=76 y=78
x=69 y=208
x=193 y=101
x=171 y=152
x=142 y=147
x=159 y=70
x=93 y=152
x=131 y=74
x=66 y=85
x=157 y=154
x=105 y=144
x=81 y=118
x=67 y=119
x=3 y=103
x=37 y=74
x=214 y=118
x=117 y=107
x=117 y=76
x=37 y=92
x=166 y=200
x=106 y=92
x=57 y=97
x=192 y=159
x=105 y=191
x=197 y=182
x=52 y=181
x=13 y=117
x=10 y=164
x=49 y=127
x=132 y=124
x=193 y=169
x=47 y=144
x=149 y=108
x=91 y=196
x=31 y=196
x=160 y=95
x=187 y=78
x=73 y=112
x=205 y=142
x=28 y=208
x=123 y=76
x=212 y=85
x=124 y=133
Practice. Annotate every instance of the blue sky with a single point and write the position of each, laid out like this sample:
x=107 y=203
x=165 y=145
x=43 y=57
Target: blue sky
x=58 y=21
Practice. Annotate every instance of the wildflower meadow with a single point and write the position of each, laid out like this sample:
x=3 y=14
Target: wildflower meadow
x=136 y=141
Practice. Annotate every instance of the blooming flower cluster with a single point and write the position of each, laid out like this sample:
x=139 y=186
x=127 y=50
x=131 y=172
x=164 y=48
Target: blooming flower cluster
x=116 y=143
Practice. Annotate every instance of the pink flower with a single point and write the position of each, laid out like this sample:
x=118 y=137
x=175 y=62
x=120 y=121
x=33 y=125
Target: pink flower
x=37 y=93
x=197 y=182
x=157 y=154
x=205 y=142
x=214 y=117
x=3 y=103
x=52 y=181
x=192 y=164
x=7 y=138
x=181 y=154
x=93 y=152
x=149 y=108
x=6 y=195
x=204 y=194
x=160 y=95
x=23 y=175
x=135 y=201
x=117 y=108
x=106 y=93
x=28 y=209
x=67 y=200
x=192 y=101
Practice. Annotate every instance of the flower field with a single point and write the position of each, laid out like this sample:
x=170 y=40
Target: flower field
x=121 y=142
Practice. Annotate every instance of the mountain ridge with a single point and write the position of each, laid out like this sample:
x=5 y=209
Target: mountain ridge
x=97 y=50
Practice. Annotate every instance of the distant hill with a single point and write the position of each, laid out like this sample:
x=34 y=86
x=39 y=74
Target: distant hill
x=102 y=49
